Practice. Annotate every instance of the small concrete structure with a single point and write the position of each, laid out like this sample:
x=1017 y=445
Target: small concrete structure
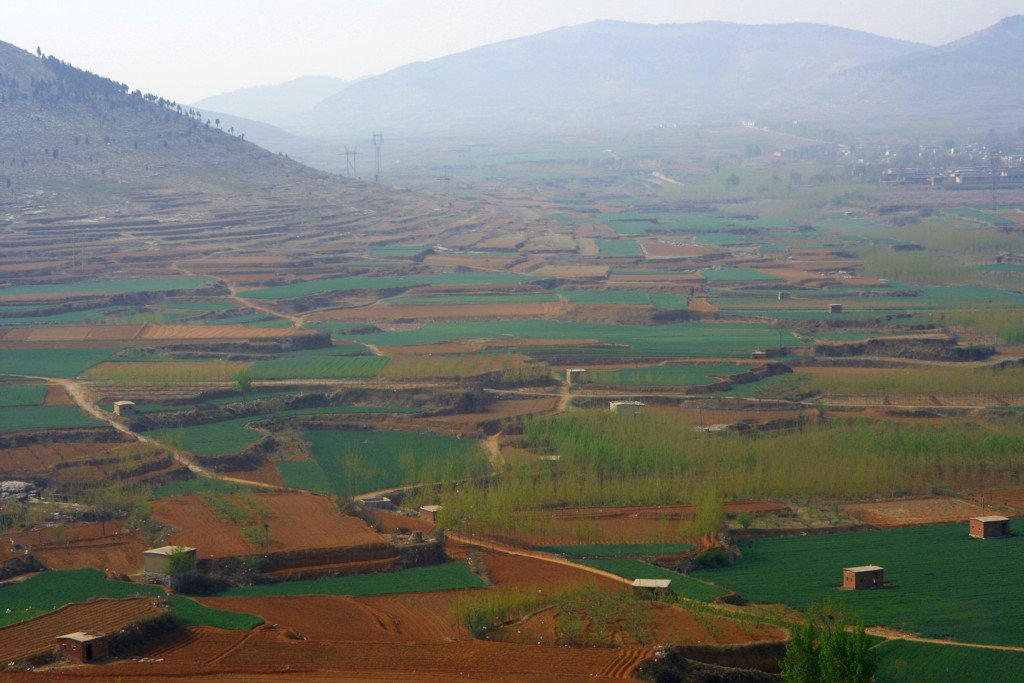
x=429 y=512
x=651 y=588
x=782 y=296
x=379 y=502
x=624 y=406
x=83 y=646
x=156 y=561
x=835 y=308
x=571 y=373
x=992 y=526
x=758 y=355
x=124 y=408
x=861 y=578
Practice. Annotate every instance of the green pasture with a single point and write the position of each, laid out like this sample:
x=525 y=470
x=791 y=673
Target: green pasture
x=231 y=436
x=617 y=550
x=668 y=302
x=52 y=362
x=682 y=585
x=544 y=297
x=662 y=375
x=47 y=591
x=442 y=577
x=45 y=417
x=90 y=316
x=306 y=475
x=619 y=249
x=342 y=284
x=336 y=284
x=319 y=367
x=359 y=461
x=22 y=395
x=680 y=340
x=151 y=285
x=944 y=584
x=736 y=275
x=905 y=661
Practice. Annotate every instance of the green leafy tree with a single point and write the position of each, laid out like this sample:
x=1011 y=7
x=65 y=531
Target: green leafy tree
x=243 y=384
x=827 y=649
x=801 y=662
x=180 y=562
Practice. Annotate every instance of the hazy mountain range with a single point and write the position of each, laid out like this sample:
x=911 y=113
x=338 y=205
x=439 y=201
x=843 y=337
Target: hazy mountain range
x=608 y=74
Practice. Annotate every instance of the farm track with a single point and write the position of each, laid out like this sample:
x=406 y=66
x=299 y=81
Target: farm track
x=894 y=634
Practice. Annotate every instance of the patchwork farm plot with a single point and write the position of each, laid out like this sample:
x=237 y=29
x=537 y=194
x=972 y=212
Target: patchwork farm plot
x=330 y=364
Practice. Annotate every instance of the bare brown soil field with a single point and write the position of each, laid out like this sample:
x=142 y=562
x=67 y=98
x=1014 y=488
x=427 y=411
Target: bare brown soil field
x=667 y=624
x=57 y=396
x=382 y=311
x=192 y=332
x=480 y=261
x=662 y=250
x=910 y=512
x=689 y=279
x=1011 y=499
x=519 y=571
x=120 y=553
x=36 y=636
x=405 y=618
x=703 y=305
x=30 y=337
x=299 y=521
x=71 y=461
x=572 y=271
x=266 y=473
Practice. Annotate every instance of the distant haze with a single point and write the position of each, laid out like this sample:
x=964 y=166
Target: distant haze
x=188 y=50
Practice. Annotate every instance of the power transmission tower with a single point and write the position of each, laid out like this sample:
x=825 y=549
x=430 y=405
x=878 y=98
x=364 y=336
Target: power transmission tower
x=444 y=187
x=378 y=140
x=350 y=161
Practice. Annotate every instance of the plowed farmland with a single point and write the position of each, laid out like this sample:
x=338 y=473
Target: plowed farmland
x=297 y=521
x=36 y=636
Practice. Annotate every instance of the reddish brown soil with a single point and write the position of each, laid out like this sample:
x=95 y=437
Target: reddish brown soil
x=918 y=511
x=57 y=396
x=1007 y=502
x=531 y=573
x=299 y=521
x=73 y=546
x=266 y=473
x=666 y=624
x=270 y=654
x=75 y=463
x=36 y=636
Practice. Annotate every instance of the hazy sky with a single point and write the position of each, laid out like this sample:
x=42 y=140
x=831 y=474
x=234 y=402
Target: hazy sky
x=185 y=50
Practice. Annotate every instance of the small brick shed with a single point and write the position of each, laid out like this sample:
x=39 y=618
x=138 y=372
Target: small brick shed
x=429 y=512
x=991 y=526
x=83 y=646
x=860 y=578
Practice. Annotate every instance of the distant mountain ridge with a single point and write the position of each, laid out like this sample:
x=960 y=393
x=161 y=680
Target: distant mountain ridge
x=609 y=74
x=279 y=104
